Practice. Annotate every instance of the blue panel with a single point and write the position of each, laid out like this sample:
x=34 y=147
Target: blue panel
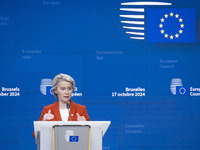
x=148 y=88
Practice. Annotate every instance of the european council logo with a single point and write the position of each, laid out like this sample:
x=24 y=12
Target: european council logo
x=158 y=25
x=177 y=87
x=46 y=87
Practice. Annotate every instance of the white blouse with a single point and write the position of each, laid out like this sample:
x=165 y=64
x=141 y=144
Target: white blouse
x=64 y=114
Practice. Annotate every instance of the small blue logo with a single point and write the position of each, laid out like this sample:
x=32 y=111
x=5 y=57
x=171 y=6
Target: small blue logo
x=181 y=90
x=49 y=90
x=73 y=138
x=46 y=87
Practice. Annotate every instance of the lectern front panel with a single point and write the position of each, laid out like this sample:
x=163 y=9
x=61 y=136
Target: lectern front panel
x=69 y=137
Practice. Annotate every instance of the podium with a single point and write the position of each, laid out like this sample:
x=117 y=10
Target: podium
x=44 y=132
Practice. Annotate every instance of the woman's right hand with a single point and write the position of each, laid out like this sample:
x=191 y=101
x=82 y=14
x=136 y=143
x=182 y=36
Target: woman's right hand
x=48 y=116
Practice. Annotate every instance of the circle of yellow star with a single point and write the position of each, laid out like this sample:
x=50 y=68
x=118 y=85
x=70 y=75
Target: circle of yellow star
x=182 y=25
x=166 y=35
x=160 y=25
x=162 y=31
x=162 y=20
x=176 y=35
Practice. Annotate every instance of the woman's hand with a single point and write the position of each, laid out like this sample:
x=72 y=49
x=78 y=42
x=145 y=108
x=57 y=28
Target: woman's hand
x=80 y=118
x=48 y=116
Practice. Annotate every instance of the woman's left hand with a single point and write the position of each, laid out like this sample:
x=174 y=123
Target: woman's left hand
x=80 y=118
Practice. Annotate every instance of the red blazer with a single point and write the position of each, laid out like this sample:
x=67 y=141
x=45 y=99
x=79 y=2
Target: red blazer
x=74 y=108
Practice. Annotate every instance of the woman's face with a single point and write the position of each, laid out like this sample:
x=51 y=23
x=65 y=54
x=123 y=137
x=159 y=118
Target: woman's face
x=64 y=91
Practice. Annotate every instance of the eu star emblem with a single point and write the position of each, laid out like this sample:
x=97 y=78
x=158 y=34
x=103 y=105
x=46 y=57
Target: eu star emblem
x=73 y=138
x=180 y=90
x=170 y=25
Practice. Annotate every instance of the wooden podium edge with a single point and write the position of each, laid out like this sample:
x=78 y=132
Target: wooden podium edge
x=89 y=138
x=53 y=136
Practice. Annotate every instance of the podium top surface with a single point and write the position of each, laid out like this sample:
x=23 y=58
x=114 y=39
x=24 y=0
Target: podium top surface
x=101 y=125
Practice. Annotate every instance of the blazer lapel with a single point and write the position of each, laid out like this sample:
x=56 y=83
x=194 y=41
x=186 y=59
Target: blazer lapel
x=72 y=111
x=56 y=111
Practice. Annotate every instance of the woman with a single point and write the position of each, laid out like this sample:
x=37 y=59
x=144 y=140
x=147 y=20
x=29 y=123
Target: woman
x=63 y=86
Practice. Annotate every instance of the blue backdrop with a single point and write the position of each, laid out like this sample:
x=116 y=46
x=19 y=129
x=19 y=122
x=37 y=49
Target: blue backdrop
x=149 y=90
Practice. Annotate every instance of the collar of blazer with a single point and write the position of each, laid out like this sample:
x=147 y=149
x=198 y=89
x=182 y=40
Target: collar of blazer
x=57 y=111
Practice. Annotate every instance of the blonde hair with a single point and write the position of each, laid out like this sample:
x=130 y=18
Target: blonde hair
x=61 y=77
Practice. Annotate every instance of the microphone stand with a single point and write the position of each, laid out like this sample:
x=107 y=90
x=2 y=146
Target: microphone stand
x=68 y=107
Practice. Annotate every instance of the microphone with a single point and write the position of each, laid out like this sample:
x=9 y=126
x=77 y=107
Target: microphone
x=68 y=107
